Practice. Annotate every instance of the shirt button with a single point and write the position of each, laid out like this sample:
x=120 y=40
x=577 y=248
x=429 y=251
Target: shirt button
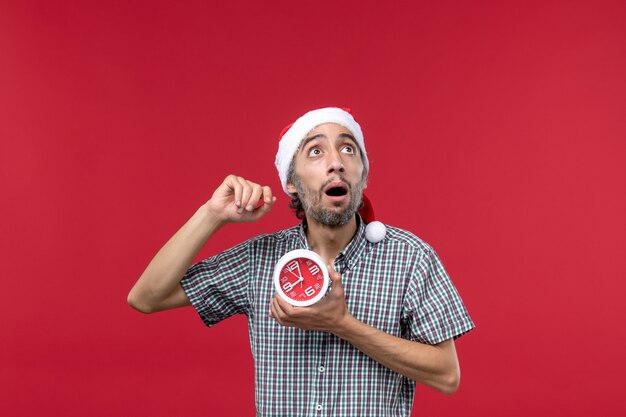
x=321 y=368
x=319 y=407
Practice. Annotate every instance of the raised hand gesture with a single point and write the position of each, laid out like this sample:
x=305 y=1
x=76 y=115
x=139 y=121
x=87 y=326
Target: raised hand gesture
x=239 y=200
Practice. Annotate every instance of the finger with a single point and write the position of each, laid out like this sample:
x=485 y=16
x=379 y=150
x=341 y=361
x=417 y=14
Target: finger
x=335 y=276
x=265 y=198
x=268 y=198
x=234 y=185
x=336 y=286
x=272 y=312
x=246 y=192
x=264 y=208
x=282 y=306
x=278 y=313
x=290 y=311
x=255 y=197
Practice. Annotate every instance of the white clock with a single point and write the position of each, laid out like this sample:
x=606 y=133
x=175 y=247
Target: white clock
x=301 y=277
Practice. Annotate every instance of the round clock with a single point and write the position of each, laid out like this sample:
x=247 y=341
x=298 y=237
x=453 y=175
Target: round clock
x=301 y=277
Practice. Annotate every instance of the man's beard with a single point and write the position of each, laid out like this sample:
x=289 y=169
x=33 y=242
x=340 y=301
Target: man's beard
x=311 y=202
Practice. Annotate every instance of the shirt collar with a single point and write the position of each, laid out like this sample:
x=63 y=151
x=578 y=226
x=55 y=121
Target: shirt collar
x=353 y=250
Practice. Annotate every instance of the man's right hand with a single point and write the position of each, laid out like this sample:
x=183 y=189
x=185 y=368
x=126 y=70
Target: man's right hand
x=235 y=200
x=239 y=200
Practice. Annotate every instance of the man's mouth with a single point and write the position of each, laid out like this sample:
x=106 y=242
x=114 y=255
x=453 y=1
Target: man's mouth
x=336 y=189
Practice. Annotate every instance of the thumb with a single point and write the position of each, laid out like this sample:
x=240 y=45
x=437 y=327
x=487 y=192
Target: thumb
x=263 y=207
x=335 y=277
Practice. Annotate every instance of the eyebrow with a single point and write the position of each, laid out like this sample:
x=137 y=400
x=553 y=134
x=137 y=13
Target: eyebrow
x=321 y=135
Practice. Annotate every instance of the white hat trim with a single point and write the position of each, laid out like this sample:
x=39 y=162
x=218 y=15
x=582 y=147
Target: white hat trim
x=291 y=140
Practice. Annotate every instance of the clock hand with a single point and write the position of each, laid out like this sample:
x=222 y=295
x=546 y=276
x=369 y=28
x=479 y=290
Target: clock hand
x=299 y=275
x=293 y=284
x=300 y=280
x=293 y=273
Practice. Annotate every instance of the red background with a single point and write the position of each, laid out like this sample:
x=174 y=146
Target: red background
x=495 y=131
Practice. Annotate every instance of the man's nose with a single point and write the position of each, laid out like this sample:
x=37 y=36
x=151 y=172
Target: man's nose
x=335 y=163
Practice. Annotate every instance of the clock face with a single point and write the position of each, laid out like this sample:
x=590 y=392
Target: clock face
x=301 y=277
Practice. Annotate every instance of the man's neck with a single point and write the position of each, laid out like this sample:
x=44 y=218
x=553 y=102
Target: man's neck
x=328 y=241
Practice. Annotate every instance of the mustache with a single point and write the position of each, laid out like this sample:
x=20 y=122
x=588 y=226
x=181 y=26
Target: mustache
x=340 y=179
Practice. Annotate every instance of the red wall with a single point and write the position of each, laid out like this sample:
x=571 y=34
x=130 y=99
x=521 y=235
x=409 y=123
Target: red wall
x=495 y=131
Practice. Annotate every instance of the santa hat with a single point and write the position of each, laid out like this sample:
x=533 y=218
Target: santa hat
x=375 y=231
x=292 y=136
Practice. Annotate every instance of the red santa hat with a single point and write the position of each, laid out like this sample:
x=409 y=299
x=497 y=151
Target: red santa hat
x=293 y=134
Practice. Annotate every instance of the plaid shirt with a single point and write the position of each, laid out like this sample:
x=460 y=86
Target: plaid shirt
x=397 y=285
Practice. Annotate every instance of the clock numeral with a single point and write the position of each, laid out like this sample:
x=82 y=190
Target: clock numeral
x=314 y=269
x=309 y=291
x=292 y=266
x=288 y=286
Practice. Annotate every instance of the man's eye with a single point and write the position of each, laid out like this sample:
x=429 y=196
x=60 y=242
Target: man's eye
x=314 y=152
x=348 y=149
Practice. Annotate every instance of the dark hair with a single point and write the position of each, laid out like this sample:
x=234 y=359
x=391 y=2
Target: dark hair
x=295 y=204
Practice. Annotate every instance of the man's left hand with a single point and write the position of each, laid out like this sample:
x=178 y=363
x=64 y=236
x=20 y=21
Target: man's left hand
x=326 y=315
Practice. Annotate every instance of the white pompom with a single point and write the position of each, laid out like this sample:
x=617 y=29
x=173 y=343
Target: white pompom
x=375 y=231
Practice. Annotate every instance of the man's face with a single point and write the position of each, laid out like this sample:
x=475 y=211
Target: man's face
x=328 y=175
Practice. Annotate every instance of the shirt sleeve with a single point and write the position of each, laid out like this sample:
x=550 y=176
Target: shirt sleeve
x=217 y=287
x=434 y=311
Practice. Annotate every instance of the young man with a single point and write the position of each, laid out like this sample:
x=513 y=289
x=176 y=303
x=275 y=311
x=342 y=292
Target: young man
x=389 y=320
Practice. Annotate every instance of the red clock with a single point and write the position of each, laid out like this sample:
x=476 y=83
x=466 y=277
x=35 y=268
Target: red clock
x=301 y=277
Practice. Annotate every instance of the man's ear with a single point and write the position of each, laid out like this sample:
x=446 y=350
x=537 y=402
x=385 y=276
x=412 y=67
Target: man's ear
x=291 y=189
